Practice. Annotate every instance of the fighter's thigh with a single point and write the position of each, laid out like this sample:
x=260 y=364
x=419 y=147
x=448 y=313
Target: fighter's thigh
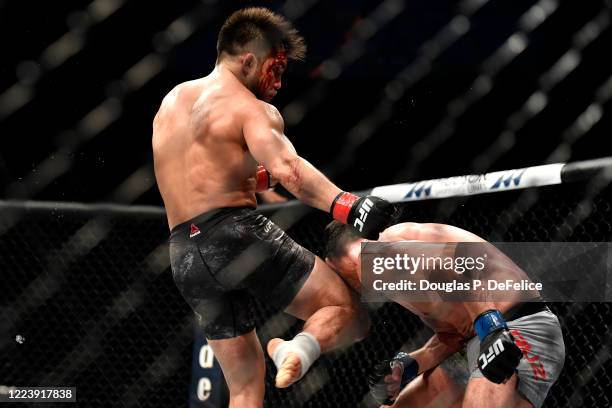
x=434 y=388
x=481 y=392
x=242 y=361
x=322 y=288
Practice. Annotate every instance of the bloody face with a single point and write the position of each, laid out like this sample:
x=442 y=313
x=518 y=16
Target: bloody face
x=270 y=77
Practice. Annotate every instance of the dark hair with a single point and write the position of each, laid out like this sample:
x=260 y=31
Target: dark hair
x=259 y=23
x=337 y=236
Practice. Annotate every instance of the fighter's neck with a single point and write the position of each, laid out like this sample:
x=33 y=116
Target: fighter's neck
x=225 y=69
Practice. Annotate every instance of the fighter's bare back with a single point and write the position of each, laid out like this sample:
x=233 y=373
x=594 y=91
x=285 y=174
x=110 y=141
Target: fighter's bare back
x=454 y=319
x=202 y=161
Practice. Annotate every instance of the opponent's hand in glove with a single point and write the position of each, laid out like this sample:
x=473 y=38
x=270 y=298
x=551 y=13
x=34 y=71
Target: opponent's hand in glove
x=264 y=179
x=499 y=356
x=369 y=215
x=390 y=376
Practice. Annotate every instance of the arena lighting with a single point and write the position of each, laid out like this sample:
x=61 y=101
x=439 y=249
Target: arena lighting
x=482 y=85
x=538 y=100
x=30 y=71
x=344 y=57
x=110 y=110
x=395 y=89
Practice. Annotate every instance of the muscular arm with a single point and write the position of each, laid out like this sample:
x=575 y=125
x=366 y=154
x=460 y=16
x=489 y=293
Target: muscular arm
x=432 y=232
x=264 y=135
x=390 y=376
x=437 y=349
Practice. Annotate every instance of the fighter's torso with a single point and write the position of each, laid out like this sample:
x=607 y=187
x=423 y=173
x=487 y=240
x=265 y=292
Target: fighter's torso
x=452 y=317
x=201 y=158
x=447 y=317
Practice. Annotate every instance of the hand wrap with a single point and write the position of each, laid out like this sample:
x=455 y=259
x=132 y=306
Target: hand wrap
x=385 y=392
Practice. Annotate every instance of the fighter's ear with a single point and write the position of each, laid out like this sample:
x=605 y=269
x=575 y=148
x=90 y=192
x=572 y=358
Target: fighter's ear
x=249 y=62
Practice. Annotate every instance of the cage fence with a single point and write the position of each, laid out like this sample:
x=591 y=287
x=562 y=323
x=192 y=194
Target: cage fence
x=89 y=301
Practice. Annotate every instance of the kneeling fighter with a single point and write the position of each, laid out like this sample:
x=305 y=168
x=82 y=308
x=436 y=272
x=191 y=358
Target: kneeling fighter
x=527 y=336
x=213 y=139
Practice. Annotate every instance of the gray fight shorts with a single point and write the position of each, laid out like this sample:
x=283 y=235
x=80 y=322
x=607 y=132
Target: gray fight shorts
x=539 y=337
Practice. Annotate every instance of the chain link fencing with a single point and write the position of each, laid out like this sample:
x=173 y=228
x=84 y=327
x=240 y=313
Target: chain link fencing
x=88 y=300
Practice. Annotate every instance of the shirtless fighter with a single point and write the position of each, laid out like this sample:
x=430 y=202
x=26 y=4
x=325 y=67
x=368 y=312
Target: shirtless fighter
x=213 y=139
x=438 y=375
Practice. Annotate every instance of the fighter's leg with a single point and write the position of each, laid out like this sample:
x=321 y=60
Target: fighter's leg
x=224 y=315
x=228 y=324
x=242 y=361
x=332 y=314
x=481 y=392
x=434 y=388
x=330 y=309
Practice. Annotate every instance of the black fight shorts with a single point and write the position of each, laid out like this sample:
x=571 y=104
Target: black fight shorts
x=223 y=259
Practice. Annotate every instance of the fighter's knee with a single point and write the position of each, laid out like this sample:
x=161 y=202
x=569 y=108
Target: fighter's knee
x=253 y=355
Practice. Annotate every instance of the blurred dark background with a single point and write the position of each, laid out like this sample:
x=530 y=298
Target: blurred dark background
x=391 y=91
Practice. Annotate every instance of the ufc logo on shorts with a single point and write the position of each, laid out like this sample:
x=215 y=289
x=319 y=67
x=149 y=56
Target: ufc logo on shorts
x=364 y=210
x=494 y=350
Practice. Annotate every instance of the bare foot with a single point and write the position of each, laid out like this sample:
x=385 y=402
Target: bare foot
x=291 y=367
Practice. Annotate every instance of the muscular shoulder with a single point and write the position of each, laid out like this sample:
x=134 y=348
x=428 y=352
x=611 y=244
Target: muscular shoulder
x=428 y=232
x=173 y=99
x=261 y=111
x=180 y=92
